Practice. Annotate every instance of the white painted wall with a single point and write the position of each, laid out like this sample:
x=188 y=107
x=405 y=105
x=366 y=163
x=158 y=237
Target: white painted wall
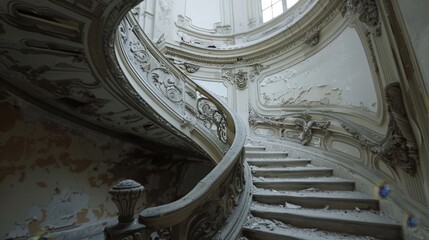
x=337 y=75
x=416 y=18
x=203 y=13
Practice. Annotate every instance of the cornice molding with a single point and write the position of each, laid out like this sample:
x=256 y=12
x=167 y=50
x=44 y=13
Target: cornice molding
x=303 y=31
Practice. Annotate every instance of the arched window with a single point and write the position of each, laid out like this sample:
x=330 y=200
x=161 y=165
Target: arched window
x=273 y=8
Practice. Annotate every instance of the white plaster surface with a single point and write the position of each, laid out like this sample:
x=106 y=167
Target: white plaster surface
x=346 y=148
x=337 y=75
x=217 y=88
x=203 y=13
x=416 y=21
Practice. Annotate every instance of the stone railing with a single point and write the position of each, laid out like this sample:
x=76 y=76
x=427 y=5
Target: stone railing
x=223 y=193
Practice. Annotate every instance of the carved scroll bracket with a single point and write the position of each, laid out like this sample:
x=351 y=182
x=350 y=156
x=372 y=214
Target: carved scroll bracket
x=399 y=148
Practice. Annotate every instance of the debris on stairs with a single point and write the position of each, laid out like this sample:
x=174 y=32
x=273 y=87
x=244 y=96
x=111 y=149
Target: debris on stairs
x=293 y=199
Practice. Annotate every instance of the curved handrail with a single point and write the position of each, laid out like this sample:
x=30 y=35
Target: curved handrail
x=229 y=129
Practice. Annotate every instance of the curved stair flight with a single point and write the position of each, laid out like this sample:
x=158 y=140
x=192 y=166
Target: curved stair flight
x=293 y=199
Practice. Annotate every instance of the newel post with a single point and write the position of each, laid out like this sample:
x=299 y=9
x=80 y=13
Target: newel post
x=125 y=195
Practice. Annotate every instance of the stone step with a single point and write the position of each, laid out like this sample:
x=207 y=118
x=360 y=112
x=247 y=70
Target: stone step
x=322 y=183
x=344 y=221
x=291 y=233
x=295 y=172
x=267 y=154
x=278 y=163
x=309 y=199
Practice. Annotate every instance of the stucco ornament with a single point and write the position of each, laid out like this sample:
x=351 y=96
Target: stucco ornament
x=213 y=214
x=367 y=11
x=241 y=76
x=166 y=83
x=399 y=147
x=240 y=79
x=191 y=68
x=302 y=122
x=305 y=125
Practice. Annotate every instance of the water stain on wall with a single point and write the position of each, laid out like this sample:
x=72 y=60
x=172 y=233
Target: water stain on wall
x=57 y=174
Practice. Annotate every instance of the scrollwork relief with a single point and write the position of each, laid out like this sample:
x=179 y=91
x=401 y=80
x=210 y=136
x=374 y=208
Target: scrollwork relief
x=399 y=148
x=139 y=54
x=166 y=83
x=212 y=215
x=212 y=118
x=302 y=123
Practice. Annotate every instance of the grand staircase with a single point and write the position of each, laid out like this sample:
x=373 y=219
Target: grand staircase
x=293 y=199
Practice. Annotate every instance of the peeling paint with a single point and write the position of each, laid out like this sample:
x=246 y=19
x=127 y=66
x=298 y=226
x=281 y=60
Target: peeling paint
x=81 y=217
x=337 y=75
x=57 y=174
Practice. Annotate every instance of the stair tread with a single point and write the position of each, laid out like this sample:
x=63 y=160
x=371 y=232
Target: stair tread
x=289 y=169
x=298 y=180
x=309 y=194
x=280 y=230
x=266 y=153
x=367 y=217
x=276 y=160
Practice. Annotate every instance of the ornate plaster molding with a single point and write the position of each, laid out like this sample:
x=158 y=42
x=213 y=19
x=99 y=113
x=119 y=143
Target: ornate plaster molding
x=185 y=22
x=399 y=148
x=323 y=16
x=301 y=121
x=191 y=68
x=211 y=216
x=241 y=76
x=313 y=39
x=367 y=12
